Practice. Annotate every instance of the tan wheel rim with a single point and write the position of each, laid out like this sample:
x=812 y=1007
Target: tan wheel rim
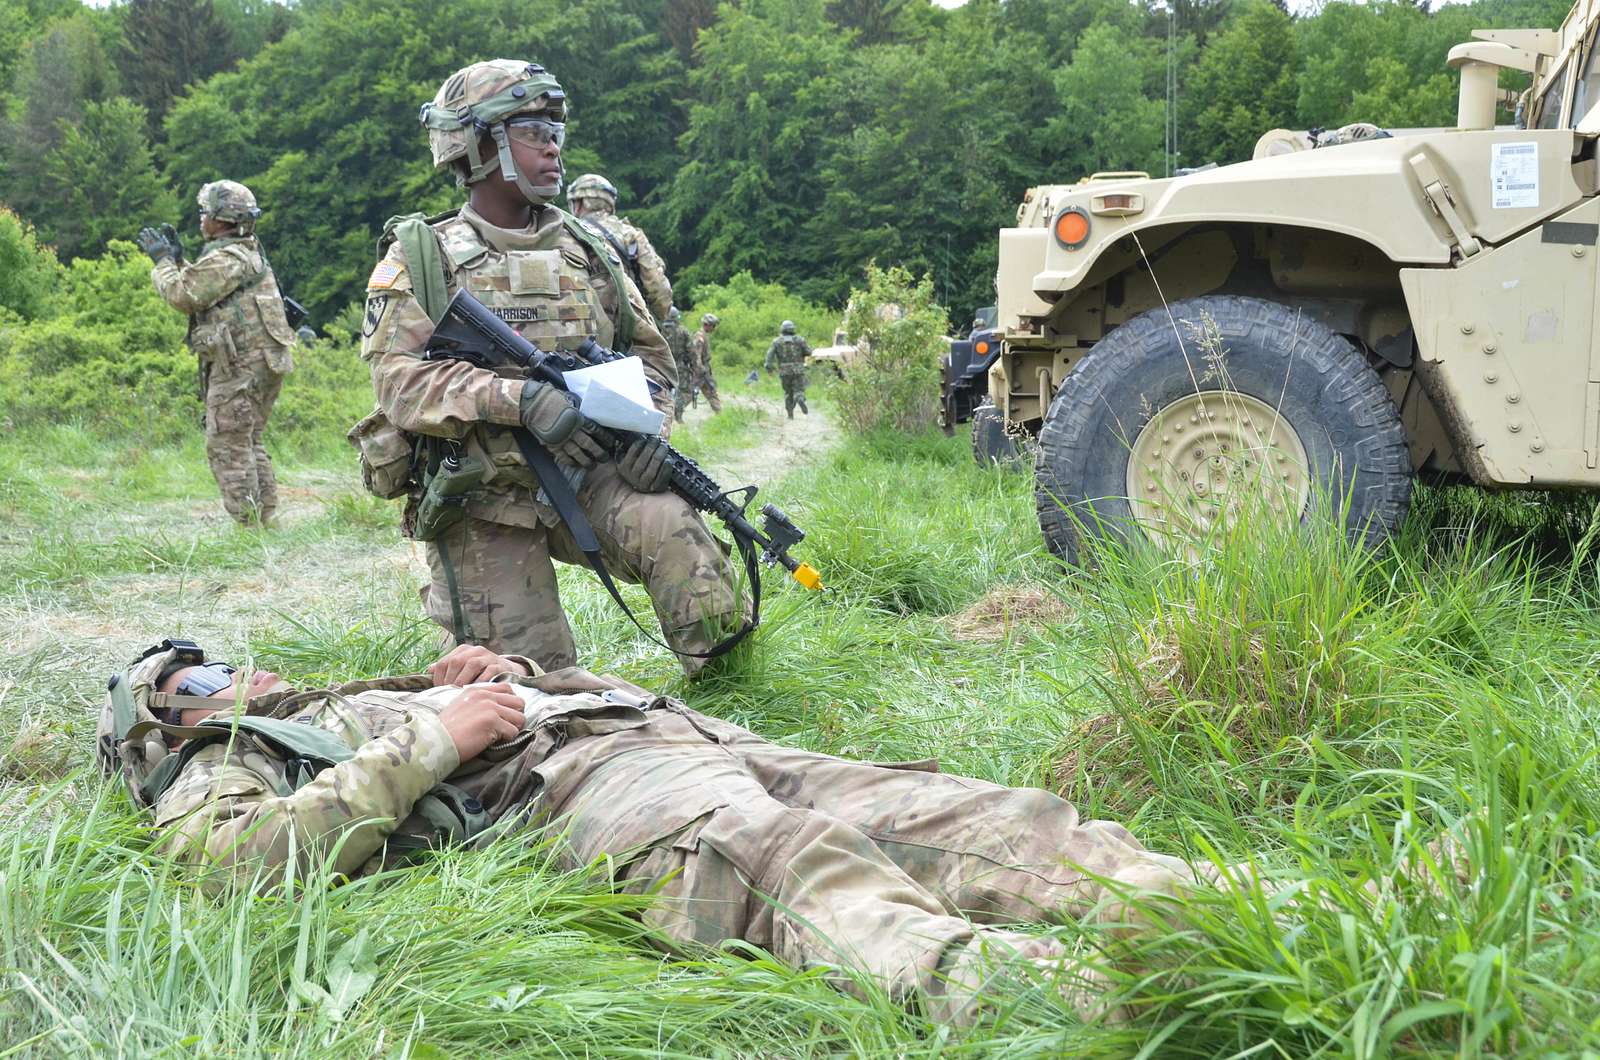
x=1207 y=457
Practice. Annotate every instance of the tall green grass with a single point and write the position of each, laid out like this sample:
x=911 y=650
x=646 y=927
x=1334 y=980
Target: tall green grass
x=1398 y=746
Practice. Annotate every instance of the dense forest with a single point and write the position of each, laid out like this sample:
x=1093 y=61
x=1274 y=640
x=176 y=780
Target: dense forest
x=795 y=140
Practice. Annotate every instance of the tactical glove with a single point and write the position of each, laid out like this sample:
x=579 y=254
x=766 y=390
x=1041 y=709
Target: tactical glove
x=644 y=465
x=155 y=244
x=550 y=417
x=170 y=234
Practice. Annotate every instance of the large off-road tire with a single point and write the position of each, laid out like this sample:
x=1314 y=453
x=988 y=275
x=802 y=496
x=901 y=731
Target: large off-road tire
x=1156 y=438
x=991 y=443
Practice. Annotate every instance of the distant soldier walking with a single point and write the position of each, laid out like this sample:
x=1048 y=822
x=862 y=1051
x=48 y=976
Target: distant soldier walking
x=700 y=354
x=677 y=337
x=594 y=200
x=238 y=330
x=789 y=353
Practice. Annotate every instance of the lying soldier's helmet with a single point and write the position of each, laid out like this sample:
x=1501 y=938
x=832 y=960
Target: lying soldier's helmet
x=127 y=743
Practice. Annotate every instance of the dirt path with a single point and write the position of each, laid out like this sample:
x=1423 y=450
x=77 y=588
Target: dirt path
x=781 y=444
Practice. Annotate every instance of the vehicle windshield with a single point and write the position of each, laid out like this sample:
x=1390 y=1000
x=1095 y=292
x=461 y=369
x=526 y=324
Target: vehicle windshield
x=838 y=337
x=1550 y=102
x=1586 y=93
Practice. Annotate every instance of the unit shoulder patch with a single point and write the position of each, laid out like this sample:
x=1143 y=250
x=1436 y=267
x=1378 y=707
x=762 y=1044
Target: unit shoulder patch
x=384 y=276
x=376 y=304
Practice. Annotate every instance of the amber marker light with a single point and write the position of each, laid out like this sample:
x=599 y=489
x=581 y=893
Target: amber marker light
x=1072 y=227
x=982 y=348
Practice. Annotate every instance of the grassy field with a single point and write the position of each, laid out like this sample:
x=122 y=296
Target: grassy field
x=1402 y=744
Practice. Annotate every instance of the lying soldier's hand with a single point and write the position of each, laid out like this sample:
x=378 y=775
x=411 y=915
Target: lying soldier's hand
x=482 y=715
x=468 y=663
x=550 y=416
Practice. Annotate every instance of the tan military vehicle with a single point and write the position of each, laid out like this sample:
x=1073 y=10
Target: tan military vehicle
x=839 y=355
x=1324 y=321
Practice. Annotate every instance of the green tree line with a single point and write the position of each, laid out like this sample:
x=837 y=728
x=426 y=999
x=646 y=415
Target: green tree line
x=795 y=140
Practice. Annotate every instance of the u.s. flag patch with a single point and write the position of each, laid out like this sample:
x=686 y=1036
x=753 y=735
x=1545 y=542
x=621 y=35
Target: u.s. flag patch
x=384 y=275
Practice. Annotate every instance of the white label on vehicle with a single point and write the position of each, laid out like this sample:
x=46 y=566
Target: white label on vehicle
x=1514 y=174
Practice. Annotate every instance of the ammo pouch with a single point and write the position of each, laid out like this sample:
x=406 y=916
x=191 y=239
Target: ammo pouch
x=214 y=343
x=444 y=496
x=387 y=455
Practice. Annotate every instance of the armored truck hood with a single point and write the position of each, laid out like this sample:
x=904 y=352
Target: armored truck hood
x=1374 y=190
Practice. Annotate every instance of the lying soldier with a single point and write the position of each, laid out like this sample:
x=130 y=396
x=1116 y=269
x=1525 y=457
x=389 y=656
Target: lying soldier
x=898 y=871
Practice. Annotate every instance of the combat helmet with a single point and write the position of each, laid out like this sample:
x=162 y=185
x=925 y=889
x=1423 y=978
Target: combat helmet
x=709 y=320
x=228 y=200
x=787 y=327
x=673 y=314
x=129 y=740
x=593 y=186
x=483 y=98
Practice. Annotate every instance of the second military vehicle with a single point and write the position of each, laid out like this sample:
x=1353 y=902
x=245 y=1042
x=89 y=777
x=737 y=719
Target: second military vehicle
x=1335 y=319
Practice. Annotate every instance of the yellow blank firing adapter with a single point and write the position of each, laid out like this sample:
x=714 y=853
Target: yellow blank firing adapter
x=807 y=575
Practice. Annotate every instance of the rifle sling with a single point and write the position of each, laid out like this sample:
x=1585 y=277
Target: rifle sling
x=562 y=498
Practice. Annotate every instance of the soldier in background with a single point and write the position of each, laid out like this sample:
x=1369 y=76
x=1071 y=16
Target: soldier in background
x=677 y=337
x=700 y=354
x=594 y=200
x=788 y=353
x=238 y=329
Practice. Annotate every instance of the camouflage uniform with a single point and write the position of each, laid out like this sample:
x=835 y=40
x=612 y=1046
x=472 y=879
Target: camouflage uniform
x=700 y=355
x=897 y=870
x=788 y=353
x=556 y=291
x=239 y=331
x=677 y=337
x=598 y=199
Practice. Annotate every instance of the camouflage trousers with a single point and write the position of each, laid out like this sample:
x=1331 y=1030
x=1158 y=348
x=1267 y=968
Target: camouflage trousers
x=239 y=399
x=896 y=871
x=708 y=387
x=684 y=391
x=794 y=389
x=507 y=584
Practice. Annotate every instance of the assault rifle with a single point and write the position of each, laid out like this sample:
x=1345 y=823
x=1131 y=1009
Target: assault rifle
x=469 y=332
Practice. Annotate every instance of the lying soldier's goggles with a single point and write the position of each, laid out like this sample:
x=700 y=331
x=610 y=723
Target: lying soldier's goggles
x=537 y=132
x=206 y=680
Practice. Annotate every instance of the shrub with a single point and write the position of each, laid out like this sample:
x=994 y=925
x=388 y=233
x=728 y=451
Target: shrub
x=894 y=382
x=750 y=314
x=28 y=271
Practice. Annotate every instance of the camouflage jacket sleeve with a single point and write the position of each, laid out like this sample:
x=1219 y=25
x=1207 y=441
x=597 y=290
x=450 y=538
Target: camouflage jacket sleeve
x=772 y=354
x=442 y=398
x=198 y=285
x=223 y=812
x=805 y=349
x=653 y=277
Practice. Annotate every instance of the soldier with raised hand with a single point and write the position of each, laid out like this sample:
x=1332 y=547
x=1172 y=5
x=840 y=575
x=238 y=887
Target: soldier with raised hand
x=593 y=199
x=499 y=127
x=700 y=354
x=677 y=337
x=788 y=353
x=911 y=876
x=238 y=329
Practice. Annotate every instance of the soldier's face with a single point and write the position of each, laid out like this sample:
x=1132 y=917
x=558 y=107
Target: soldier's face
x=204 y=680
x=536 y=147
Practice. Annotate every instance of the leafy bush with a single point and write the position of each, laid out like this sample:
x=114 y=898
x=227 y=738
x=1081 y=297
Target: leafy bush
x=750 y=314
x=894 y=382
x=28 y=271
x=110 y=355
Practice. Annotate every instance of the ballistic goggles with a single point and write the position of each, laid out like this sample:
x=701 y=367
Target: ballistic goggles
x=537 y=132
